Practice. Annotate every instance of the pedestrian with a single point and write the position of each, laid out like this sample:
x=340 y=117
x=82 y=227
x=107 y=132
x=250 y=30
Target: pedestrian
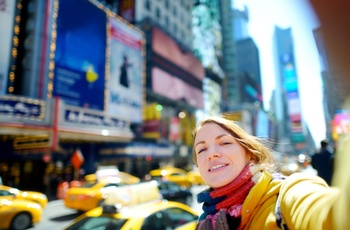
x=322 y=161
x=247 y=192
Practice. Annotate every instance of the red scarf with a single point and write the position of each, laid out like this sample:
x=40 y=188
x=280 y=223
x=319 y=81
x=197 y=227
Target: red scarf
x=229 y=197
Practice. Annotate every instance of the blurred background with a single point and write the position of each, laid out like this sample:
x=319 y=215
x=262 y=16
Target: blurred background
x=86 y=83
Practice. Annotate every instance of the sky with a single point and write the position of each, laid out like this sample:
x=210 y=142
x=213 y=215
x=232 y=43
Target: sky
x=298 y=15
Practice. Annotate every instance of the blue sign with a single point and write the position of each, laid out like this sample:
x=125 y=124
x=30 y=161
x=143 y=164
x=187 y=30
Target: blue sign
x=137 y=149
x=22 y=107
x=86 y=118
x=80 y=58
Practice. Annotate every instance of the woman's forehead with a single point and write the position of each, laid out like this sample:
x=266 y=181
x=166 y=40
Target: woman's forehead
x=210 y=129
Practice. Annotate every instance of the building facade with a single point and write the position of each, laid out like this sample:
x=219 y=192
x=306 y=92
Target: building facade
x=98 y=83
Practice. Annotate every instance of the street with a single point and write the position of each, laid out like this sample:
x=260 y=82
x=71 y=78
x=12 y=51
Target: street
x=56 y=216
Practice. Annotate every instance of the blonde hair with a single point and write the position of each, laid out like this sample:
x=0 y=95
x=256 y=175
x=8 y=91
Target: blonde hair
x=259 y=153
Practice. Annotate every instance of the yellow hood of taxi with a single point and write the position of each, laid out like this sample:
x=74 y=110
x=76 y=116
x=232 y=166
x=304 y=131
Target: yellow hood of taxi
x=86 y=191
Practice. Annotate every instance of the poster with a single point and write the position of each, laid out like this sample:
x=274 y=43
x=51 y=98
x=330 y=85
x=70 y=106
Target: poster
x=80 y=58
x=7 y=12
x=125 y=85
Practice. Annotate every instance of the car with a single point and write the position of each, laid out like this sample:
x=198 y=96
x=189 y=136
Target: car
x=139 y=206
x=176 y=175
x=92 y=192
x=174 y=192
x=18 y=214
x=38 y=197
x=125 y=177
x=195 y=177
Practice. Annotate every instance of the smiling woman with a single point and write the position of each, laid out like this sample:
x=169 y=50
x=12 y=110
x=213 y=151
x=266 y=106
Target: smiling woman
x=245 y=189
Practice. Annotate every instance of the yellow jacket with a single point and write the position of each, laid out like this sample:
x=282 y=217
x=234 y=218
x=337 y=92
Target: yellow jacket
x=306 y=202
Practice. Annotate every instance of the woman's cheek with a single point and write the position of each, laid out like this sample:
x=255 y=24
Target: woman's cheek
x=200 y=159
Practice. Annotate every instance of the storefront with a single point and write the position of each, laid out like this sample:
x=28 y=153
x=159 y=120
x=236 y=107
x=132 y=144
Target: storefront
x=38 y=139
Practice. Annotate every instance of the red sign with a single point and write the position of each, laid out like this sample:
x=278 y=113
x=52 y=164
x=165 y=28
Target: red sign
x=174 y=129
x=77 y=159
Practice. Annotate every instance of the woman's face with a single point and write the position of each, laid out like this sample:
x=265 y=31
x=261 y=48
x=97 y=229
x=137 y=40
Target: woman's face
x=220 y=157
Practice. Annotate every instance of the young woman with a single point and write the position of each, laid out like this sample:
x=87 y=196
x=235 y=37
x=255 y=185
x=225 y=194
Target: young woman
x=246 y=193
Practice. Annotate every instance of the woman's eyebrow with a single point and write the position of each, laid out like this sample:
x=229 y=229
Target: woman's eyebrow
x=223 y=135
x=216 y=138
x=201 y=142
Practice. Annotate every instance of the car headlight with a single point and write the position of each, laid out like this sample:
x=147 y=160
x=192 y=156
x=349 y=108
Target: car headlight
x=34 y=205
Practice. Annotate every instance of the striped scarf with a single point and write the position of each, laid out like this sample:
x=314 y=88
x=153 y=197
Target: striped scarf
x=228 y=198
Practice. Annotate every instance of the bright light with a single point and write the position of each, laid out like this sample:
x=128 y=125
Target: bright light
x=159 y=107
x=182 y=115
x=105 y=132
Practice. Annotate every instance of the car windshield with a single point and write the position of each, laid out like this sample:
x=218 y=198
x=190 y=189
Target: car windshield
x=98 y=223
x=157 y=178
x=88 y=184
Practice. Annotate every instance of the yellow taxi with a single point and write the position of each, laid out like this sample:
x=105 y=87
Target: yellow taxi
x=137 y=207
x=176 y=175
x=196 y=177
x=18 y=214
x=94 y=190
x=125 y=177
x=38 y=197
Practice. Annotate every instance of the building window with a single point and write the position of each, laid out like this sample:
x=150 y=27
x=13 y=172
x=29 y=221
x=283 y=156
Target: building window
x=158 y=13
x=174 y=11
x=166 y=4
x=166 y=21
x=147 y=4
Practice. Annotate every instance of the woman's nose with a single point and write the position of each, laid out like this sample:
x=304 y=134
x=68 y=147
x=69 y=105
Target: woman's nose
x=213 y=152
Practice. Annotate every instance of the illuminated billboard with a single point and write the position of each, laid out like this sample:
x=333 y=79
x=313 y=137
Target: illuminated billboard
x=7 y=14
x=340 y=124
x=291 y=87
x=173 y=88
x=125 y=87
x=169 y=49
x=80 y=57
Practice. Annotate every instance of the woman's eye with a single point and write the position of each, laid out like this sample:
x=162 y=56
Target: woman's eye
x=226 y=143
x=200 y=150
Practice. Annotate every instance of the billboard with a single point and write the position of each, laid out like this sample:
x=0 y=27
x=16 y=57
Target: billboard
x=7 y=13
x=340 y=123
x=80 y=57
x=262 y=125
x=168 y=48
x=294 y=106
x=167 y=85
x=125 y=87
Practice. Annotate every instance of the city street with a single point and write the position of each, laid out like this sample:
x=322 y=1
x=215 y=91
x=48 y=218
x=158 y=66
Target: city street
x=56 y=216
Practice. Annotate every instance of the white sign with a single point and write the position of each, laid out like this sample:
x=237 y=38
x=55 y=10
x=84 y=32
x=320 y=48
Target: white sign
x=125 y=84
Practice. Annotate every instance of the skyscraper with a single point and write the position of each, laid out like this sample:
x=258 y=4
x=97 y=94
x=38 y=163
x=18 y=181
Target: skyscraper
x=287 y=100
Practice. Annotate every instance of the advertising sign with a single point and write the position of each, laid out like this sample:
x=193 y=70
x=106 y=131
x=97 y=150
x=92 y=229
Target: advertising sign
x=262 y=125
x=7 y=12
x=125 y=86
x=136 y=149
x=169 y=49
x=80 y=58
x=23 y=109
x=340 y=123
x=167 y=85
